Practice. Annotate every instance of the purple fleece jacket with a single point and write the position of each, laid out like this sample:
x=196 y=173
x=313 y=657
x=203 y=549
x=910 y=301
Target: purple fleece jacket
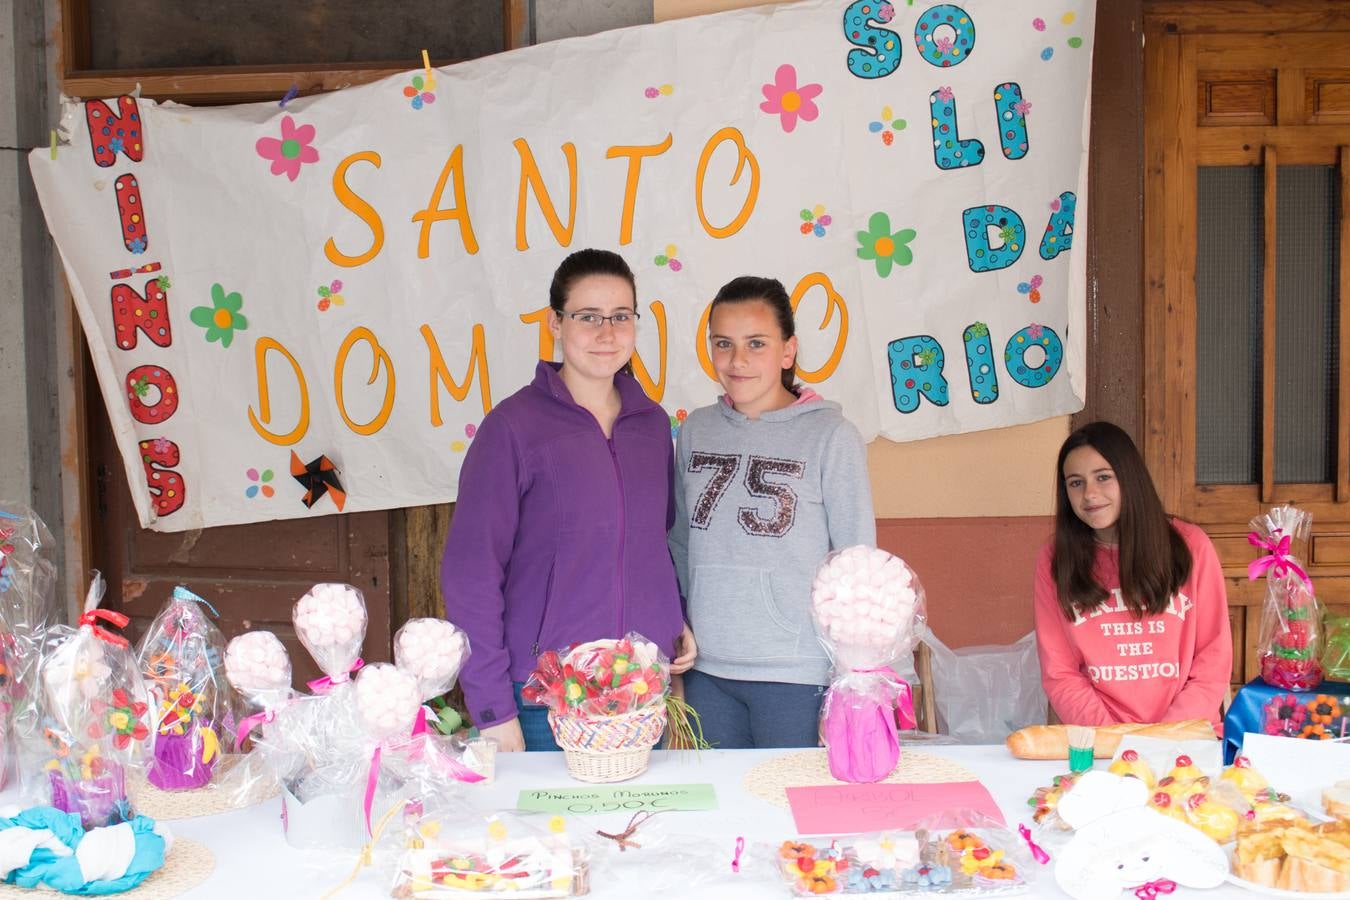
x=558 y=535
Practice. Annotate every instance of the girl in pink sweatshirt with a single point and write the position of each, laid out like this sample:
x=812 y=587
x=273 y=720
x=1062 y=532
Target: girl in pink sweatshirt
x=1131 y=611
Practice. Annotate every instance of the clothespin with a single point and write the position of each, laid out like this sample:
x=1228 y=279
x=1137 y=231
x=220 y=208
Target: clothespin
x=431 y=77
x=137 y=93
x=53 y=144
x=291 y=94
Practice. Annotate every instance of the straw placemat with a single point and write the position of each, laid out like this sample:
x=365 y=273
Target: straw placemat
x=187 y=865
x=807 y=768
x=210 y=800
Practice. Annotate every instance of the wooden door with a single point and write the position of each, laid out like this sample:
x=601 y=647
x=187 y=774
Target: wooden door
x=1247 y=262
x=252 y=574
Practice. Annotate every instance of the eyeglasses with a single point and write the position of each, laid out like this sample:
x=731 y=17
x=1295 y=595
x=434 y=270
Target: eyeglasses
x=597 y=321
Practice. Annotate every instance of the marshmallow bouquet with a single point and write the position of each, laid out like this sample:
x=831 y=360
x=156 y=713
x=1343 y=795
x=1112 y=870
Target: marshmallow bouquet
x=192 y=708
x=351 y=733
x=433 y=651
x=330 y=621
x=259 y=669
x=868 y=607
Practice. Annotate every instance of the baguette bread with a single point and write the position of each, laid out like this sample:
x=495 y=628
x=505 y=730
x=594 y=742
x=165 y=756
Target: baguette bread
x=1052 y=741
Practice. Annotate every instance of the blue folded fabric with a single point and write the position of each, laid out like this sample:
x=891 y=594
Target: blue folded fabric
x=63 y=873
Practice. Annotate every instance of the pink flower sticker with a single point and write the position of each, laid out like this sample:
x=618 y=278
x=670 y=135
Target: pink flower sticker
x=945 y=94
x=290 y=152
x=788 y=101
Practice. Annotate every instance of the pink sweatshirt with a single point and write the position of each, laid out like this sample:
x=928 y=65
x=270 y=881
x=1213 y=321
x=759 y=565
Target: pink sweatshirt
x=1111 y=667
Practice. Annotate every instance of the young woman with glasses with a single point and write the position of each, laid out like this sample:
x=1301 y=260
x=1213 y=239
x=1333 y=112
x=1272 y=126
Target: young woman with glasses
x=559 y=532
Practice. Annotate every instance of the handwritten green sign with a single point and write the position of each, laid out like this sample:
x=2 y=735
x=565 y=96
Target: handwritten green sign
x=603 y=799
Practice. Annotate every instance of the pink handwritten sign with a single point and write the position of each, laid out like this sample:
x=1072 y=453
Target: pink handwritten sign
x=851 y=808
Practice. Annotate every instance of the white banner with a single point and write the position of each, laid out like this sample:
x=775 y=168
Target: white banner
x=354 y=278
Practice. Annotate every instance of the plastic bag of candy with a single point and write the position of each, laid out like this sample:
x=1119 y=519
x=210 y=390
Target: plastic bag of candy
x=939 y=856
x=180 y=656
x=28 y=622
x=448 y=853
x=96 y=717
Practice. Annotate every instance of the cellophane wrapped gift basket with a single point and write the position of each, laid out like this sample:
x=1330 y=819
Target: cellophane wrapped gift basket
x=181 y=657
x=96 y=717
x=868 y=607
x=1290 y=640
x=28 y=623
x=607 y=703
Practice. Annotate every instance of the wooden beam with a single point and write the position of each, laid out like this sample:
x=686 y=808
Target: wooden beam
x=1227 y=16
x=1114 y=233
x=516 y=19
x=228 y=84
x=1343 y=348
x=76 y=48
x=1271 y=172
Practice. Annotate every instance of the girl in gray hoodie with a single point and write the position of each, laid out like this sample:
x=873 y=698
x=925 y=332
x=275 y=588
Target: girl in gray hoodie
x=768 y=480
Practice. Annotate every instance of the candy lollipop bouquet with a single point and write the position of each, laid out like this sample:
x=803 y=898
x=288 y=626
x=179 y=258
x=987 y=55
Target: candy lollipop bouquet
x=180 y=657
x=1290 y=639
x=607 y=704
x=96 y=718
x=867 y=605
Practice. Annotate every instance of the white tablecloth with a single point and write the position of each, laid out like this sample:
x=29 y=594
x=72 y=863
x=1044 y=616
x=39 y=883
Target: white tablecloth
x=254 y=861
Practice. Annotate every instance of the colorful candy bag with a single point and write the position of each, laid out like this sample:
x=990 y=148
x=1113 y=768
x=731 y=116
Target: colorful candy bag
x=867 y=606
x=96 y=717
x=941 y=856
x=27 y=618
x=1290 y=638
x=447 y=853
x=180 y=657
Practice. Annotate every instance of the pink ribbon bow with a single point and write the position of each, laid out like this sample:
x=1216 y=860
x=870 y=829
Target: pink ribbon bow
x=1151 y=890
x=417 y=745
x=1278 y=559
x=325 y=684
x=904 y=701
x=248 y=723
x=1036 y=852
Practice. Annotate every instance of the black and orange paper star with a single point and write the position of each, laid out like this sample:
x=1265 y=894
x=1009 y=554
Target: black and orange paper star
x=318 y=477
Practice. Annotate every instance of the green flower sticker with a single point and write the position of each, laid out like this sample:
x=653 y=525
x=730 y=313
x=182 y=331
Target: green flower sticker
x=222 y=318
x=879 y=244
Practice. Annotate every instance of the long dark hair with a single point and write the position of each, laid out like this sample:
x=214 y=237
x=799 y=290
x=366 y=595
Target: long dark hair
x=583 y=264
x=772 y=292
x=1154 y=558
